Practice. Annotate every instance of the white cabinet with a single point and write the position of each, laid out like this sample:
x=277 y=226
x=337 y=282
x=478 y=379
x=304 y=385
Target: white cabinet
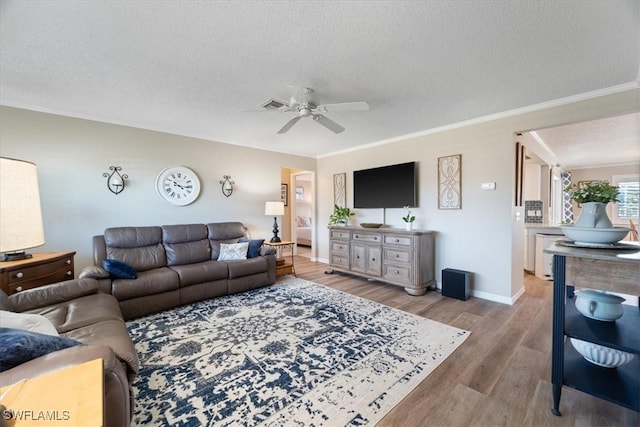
x=544 y=268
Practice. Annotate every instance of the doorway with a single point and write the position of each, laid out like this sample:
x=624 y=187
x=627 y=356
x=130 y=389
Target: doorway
x=303 y=218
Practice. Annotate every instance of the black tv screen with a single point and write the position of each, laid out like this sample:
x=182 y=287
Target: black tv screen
x=385 y=187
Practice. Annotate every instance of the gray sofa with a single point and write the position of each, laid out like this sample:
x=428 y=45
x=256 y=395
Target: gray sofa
x=176 y=265
x=77 y=310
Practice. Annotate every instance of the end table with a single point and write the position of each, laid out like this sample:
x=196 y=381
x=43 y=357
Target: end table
x=285 y=267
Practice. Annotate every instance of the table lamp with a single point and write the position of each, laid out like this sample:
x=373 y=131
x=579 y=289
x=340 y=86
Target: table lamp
x=276 y=209
x=20 y=217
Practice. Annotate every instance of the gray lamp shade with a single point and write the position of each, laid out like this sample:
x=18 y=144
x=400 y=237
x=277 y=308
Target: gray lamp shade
x=20 y=217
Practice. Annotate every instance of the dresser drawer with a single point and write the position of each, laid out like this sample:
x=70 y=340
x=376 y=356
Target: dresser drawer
x=397 y=255
x=42 y=269
x=340 y=234
x=339 y=260
x=391 y=239
x=340 y=247
x=365 y=237
x=397 y=274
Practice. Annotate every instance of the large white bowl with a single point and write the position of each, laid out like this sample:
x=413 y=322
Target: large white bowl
x=599 y=305
x=598 y=236
x=600 y=355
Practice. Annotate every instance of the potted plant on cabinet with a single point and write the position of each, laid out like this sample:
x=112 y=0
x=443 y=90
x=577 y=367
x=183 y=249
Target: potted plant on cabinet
x=408 y=219
x=593 y=226
x=340 y=215
x=593 y=198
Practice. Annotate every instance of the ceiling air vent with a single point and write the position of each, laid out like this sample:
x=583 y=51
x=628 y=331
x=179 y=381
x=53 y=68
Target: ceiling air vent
x=272 y=104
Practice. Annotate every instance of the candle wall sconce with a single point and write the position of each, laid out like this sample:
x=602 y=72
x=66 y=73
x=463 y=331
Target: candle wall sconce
x=227 y=185
x=115 y=180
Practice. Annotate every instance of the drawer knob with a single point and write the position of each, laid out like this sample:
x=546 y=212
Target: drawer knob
x=397 y=240
x=373 y=259
x=20 y=275
x=68 y=262
x=375 y=238
x=69 y=273
x=397 y=255
x=357 y=236
x=397 y=271
x=19 y=289
x=358 y=257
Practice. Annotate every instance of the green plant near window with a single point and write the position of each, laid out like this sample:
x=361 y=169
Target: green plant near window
x=593 y=191
x=340 y=215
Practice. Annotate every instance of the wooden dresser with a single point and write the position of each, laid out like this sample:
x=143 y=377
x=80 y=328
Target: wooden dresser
x=42 y=269
x=391 y=255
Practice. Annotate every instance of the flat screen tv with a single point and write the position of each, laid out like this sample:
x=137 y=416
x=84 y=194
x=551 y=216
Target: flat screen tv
x=391 y=186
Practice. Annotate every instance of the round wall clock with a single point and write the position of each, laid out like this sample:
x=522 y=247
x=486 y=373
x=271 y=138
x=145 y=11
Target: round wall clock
x=178 y=185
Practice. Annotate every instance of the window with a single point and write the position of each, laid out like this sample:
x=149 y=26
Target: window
x=628 y=208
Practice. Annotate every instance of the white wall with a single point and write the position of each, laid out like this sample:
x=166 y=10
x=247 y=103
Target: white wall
x=72 y=154
x=483 y=237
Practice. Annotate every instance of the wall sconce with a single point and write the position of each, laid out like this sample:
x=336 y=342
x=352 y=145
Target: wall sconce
x=227 y=185
x=115 y=180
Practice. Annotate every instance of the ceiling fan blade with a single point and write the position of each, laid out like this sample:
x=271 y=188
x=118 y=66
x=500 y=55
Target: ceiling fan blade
x=343 y=106
x=289 y=124
x=328 y=123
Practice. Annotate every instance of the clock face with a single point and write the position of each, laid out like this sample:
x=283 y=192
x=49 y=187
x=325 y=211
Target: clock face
x=178 y=185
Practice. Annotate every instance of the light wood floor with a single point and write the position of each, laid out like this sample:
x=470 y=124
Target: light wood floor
x=500 y=376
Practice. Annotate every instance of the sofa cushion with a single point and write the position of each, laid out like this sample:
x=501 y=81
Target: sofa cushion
x=224 y=232
x=112 y=333
x=186 y=244
x=18 y=346
x=233 y=251
x=28 y=322
x=119 y=269
x=254 y=246
x=202 y=272
x=80 y=312
x=149 y=282
x=140 y=247
x=248 y=267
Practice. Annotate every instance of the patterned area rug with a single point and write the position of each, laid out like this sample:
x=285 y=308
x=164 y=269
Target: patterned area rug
x=295 y=353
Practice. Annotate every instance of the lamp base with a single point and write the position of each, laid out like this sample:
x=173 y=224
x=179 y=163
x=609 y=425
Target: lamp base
x=275 y=238
x=15 y=256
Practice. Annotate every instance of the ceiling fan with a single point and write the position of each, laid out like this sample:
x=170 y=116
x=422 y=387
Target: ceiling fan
x=302 y=104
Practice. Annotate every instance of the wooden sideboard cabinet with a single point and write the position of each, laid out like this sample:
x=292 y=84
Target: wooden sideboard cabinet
x=391 y=255
x=42 y=269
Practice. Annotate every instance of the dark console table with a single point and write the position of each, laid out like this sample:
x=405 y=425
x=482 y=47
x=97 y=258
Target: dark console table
x=610 y=270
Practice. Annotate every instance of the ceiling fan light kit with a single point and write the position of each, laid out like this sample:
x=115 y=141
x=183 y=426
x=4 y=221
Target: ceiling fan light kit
x=304 y=107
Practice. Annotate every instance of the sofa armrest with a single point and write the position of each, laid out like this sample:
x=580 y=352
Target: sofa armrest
x=93 y=272
x=58 y=360
x=268 y=250
x=52 y=294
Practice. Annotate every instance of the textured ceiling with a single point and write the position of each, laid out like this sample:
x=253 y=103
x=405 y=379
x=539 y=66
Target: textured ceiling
x=190 y=68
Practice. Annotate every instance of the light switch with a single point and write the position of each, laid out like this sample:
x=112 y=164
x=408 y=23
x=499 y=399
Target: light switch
x=488 y=186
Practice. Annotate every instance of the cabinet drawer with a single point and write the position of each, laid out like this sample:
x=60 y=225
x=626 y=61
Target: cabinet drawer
x=364 y=237
x=398 y=274
x=397 y=255
x=57 y=276
x=339 y=260
x=391 y=239
x=340 y=247
x=63 y=266
x=339 y=234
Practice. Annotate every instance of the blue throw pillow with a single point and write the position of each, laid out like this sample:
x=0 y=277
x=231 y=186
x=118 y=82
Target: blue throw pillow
x=119 y=269
x=254 y=246
x=18 y=346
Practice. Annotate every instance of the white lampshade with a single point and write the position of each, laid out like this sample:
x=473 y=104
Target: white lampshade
x=20 y=216
x=274 y=208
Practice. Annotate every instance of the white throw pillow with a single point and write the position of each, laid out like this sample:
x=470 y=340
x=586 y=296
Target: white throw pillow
x=27 y=322
x=233 y=251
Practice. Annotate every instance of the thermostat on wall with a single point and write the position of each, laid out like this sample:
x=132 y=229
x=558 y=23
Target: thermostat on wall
x=488 y=186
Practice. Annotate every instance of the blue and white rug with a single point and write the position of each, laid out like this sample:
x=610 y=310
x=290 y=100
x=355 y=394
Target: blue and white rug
x=295 y=353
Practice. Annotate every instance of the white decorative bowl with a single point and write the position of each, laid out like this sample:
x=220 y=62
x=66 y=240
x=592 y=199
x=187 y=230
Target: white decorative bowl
x=600 y=355
x=597 y=236
x=599 y=305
